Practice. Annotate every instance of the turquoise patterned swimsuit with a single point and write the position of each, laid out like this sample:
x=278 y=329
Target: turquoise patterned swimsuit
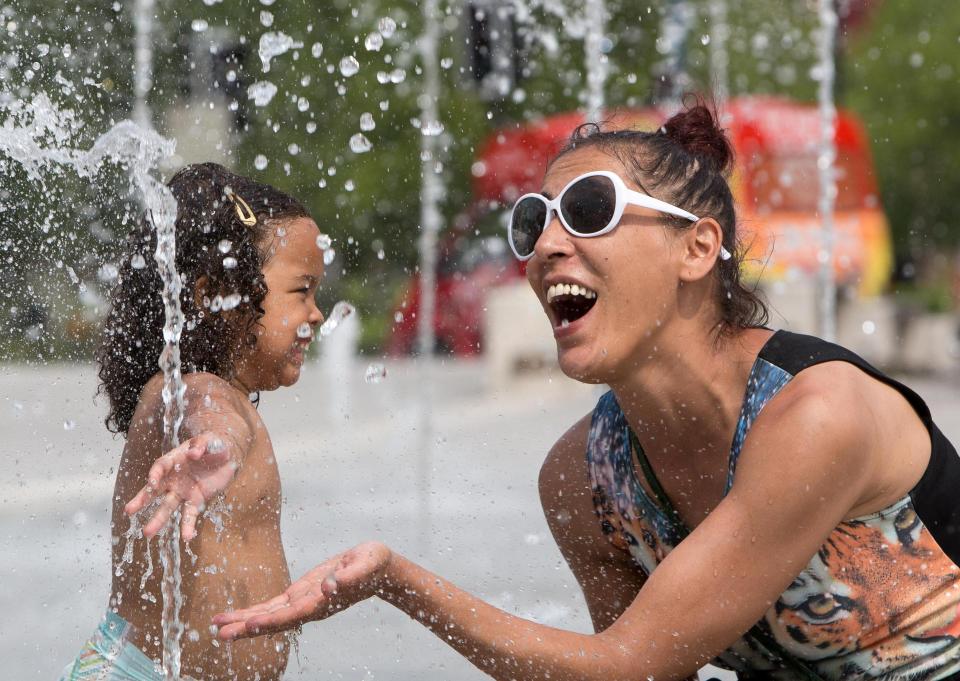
x=879 y=599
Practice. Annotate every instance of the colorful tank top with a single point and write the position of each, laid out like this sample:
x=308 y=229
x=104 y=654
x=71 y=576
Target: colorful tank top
x=878 y=600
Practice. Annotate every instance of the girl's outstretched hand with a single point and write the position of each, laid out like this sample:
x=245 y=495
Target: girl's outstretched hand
x=190 y=474
x=334 y=585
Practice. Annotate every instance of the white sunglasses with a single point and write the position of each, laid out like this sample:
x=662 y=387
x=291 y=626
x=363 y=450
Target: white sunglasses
x=590 y=205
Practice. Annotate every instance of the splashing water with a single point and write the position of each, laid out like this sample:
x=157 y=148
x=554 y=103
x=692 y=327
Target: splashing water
x=387 y=27
x=261 y=93
x=359 y=144
x=349 y=66
x=324 y=242
x=340 y=311
x=38 y=136
x=375 y=373
x=273 y=44
x=304 y=331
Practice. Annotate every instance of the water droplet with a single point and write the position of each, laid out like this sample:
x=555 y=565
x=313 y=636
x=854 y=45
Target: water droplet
x=375 y=373
x=705 y=39
x=266 y=18
x=349 y=185
x=138 y=262
x=349 y=66
x=304 y=331
x=261 y=92
x=260 y=162
x=328 y=256
x=229 y=263
x=323 y=242
x=373 y=42
x=387 y=27
x=359 y=144
x=69 y=425
x=273 y=44
x=230 y=301
x=366 y=122
x=398 y=76
x=316 y=50
x=311 y=127
x=431 y=128
x=340 y=311
x=199 y=25
x=869 y=327
x=224 y=246
x=303 y=104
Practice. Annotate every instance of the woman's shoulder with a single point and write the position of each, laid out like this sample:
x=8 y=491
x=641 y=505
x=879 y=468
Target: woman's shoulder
x=567 y=455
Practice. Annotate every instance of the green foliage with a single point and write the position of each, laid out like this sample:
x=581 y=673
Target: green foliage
x=902 y=79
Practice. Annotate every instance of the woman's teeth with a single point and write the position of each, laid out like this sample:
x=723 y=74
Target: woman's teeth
x=569 y=290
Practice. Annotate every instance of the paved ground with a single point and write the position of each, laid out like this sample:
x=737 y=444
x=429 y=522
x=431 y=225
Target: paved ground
x=346 y=478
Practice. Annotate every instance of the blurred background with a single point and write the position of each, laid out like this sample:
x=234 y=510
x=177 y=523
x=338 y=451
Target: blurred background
x=321 y=99
x=408 y=129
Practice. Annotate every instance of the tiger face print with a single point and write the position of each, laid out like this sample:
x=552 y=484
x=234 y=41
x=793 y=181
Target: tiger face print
x=856 y=592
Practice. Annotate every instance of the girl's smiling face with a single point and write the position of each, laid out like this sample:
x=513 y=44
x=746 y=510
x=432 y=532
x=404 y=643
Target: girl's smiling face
x=630 y=274
x=284 y=332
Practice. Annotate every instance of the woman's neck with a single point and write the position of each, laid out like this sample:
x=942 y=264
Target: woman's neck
x=686 y=394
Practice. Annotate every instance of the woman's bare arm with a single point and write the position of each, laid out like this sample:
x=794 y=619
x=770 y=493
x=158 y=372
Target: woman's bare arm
x=804 y=467
x=608 y=576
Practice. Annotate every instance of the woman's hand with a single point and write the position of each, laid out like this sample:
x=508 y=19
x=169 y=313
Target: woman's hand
x=189 y=475
x=330 y=587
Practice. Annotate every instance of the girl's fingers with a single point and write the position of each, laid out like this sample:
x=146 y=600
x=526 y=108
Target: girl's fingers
x=143 y=498
x=171 y=500
x=188 y=521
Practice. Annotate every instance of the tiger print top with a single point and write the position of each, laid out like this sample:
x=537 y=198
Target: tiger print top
x=880 y=599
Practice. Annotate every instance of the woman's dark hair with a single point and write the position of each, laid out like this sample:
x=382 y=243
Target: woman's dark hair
x=686 y=162
x=212 y=243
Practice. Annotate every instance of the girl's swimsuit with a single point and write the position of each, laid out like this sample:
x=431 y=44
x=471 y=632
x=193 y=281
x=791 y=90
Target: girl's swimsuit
x=878 y=600
x=109 y=656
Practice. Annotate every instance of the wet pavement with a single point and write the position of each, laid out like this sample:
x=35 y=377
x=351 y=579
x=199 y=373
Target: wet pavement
x=354 y=467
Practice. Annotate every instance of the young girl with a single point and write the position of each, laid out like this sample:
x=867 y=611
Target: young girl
x=250 y=265
x=762 y=499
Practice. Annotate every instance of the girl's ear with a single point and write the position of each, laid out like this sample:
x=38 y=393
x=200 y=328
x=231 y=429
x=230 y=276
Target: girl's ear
x=701 y=244
x=200 y=290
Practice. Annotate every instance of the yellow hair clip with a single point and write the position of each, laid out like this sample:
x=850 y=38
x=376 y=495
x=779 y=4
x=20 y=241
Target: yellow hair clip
x=244 y=212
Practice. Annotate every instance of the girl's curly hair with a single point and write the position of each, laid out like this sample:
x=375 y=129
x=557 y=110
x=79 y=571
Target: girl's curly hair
x=212 y=245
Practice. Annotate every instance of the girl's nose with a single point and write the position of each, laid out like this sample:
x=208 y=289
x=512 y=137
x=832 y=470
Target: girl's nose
x=554 y=240
x=316 y=316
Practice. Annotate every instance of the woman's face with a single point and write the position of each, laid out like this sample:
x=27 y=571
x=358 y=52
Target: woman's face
x=632 y=270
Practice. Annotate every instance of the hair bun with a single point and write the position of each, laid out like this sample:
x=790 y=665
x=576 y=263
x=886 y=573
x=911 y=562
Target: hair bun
x=698 y=131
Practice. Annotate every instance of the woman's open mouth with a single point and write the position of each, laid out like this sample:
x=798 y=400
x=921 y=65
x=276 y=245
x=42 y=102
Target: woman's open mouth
x=569 y=302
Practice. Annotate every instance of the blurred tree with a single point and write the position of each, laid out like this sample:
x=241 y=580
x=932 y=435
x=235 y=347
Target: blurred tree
x=902 y=78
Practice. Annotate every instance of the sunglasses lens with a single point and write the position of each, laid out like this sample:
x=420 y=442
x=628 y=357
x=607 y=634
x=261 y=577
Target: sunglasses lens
x=588 y=206
x=527 y=224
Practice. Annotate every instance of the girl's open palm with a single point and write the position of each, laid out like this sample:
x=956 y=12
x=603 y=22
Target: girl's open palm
x=330 y=587
x=188 y=475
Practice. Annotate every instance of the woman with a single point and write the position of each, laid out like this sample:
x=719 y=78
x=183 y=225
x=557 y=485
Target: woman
x=766 y=501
